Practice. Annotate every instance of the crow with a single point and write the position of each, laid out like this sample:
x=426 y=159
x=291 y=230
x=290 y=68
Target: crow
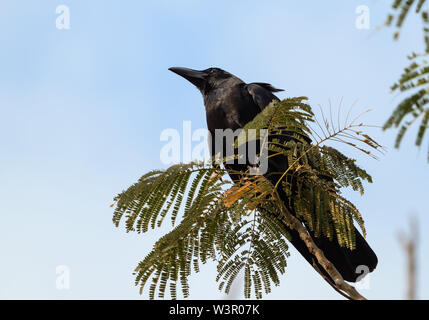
x=230 y=103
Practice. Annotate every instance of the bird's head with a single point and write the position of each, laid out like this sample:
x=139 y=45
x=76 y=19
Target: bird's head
x=204 y=80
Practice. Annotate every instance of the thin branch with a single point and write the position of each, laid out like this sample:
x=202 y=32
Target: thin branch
x=409 y=244
x=329 y=281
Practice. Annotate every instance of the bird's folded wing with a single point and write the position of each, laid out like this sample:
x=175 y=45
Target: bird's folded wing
x=262 y=93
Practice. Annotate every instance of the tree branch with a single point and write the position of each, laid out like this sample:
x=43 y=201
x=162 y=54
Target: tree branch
x=295 y=224
x=409 y=244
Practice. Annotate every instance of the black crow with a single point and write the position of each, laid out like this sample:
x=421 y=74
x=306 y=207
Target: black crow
x=230 y=103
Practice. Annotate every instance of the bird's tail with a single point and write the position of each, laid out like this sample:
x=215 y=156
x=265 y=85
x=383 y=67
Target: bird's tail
x=351 y=264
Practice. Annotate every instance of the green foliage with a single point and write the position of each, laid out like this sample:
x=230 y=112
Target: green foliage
x=317 y=199
x=209 y=230
x=315 y=175
x=240 y=224
x=291 y=114
x=414 y=80
x=401 y=10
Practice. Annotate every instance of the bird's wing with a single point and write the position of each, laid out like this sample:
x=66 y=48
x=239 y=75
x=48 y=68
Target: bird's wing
x=262 y=93
x=267 y=86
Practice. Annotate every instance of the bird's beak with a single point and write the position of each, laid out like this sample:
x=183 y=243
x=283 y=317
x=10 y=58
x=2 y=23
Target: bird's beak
x=196 y=77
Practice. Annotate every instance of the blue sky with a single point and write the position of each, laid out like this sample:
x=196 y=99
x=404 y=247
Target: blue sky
x=81 y=112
